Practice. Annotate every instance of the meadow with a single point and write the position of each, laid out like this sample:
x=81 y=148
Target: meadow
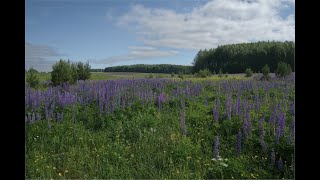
x=119 y=127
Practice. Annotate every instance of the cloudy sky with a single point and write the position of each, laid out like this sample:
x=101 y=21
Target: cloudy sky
x=113 y=32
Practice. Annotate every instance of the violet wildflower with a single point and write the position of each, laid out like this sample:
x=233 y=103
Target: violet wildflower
x=281 y=124
x=161 y=99
x=278 y=135
x=273 y=157
x=33 y=118
x=261 y=129
x=215 y=115
x=280 y=164
x=292 y=109
x=183 y=123
x=216 y=147
x=291 y=131
x=38 y=117
x=239 y=137
x=228 y=107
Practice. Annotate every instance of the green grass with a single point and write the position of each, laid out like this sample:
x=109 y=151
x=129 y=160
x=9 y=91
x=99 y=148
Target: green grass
x=131 y=75
x=123 y=145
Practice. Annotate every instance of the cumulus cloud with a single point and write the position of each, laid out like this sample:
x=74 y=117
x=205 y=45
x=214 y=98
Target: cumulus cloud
x=40 y=57
x=215 y=23
x=137 y=53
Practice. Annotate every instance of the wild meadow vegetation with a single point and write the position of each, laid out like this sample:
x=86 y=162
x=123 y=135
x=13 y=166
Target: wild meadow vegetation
x=222 y=128
x=178 y=122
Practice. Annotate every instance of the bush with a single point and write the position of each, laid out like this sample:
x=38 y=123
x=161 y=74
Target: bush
x=83 y=71
x=214 y=72
x=180 y=75
x=226 y=75
x=248 y=72
x=283 y=69
x=32 y=79
x=220 y=73
x=172 y=75
x=265 y=70
x=65 y=72
x=150 y=76
x=160 y=76
x=204 y=73
x=61 y=72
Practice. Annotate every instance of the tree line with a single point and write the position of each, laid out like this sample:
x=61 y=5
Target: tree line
x=154 y=68
x=235 y=58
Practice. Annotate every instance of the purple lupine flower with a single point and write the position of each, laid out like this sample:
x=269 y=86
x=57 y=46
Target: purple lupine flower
x=159 y=103
x=218 y=103
x=58 y=116
x=280 y=164
x=247 y=126
x=215 y=115
x=33 y=118
x=228 y=107
x=25 y=119
x=183 y=128
x=216 y=147
x=281 y=124
x=257 y=103
x=292 y=109
x=46 y=113
x=239 y=137
x=161 y=99
x=273 y=157
x=291 y=131
x=38 y=117
x=237 y=106
x=261 y=129
x=263 y=144
x=278 y=135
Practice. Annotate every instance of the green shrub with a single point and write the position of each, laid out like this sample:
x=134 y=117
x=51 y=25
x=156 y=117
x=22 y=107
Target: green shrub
x=83 y=71
x=180 y=75
x=283 y=69
x=160 y=76
x=61 y=72
x=150 y=76
x=172 y=74
x=66 y=72
x=220 y=73
x=248 y=72
x=32 y=78
x=265 y=70
x=204 y=73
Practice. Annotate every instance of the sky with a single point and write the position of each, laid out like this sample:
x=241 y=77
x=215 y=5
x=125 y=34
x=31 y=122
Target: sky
x=112 y=32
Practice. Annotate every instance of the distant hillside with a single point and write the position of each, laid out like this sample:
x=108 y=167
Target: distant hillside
x=154 y=68
x=235 y=58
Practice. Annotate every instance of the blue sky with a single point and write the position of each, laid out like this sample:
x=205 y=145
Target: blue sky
x=112 y=32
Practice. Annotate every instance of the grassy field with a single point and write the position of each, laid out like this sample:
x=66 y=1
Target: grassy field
x=131 y=75
x=145 y=139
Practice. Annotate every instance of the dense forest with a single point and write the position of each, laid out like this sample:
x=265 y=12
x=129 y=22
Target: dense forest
x=154 y=68
x=235 y=58
x=96 y=70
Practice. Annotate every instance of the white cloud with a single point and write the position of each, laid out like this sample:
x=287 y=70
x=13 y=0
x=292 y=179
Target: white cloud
x=216 y=23
x=40 y=57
